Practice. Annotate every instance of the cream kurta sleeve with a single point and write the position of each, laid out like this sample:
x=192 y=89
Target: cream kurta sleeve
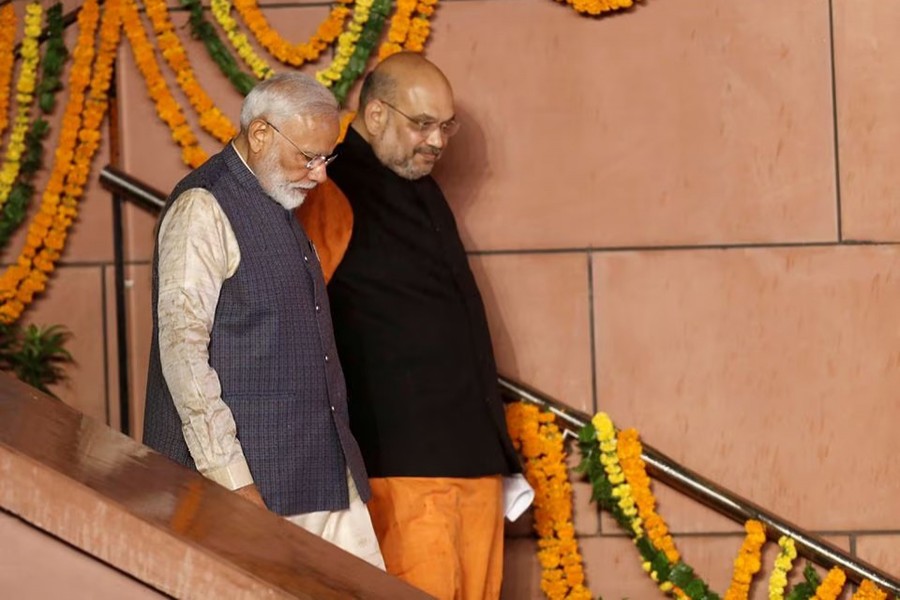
x=197 y=253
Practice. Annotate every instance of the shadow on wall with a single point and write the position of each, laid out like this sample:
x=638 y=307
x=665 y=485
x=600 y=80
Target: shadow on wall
x=504 y=349
x=463 y=168
x=461 y=173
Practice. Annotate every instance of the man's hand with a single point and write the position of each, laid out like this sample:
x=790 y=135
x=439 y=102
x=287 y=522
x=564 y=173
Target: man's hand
x=249 y=492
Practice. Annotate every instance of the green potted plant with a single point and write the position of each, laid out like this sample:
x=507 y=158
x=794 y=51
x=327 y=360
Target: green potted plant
x=36 y=355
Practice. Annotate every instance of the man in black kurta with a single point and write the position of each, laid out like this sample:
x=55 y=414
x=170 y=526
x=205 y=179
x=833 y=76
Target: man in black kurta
x=414 y=342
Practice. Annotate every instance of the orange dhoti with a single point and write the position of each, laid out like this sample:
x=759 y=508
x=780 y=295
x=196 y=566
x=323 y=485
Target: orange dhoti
x=441 y=535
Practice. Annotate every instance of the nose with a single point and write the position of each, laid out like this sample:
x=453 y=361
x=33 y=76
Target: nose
x=318 y=174
x=437 y=138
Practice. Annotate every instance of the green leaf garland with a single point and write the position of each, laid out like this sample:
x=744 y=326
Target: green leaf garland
x=368 y=39
x=22 y=191
x=204 y=31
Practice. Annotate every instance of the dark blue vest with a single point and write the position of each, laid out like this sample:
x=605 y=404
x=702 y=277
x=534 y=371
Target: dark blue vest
x=273 y=348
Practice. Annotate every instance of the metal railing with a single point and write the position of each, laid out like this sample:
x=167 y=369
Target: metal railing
x=125 y=188
x=723 y=501
x=660 y=466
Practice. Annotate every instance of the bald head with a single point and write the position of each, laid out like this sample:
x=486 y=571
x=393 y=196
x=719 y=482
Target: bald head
x=406 y=113
x=398 y=73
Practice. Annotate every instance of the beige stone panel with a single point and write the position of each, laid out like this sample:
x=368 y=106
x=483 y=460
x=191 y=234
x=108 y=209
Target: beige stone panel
x=770 y=371
x=34 y=564
x=75 y=299
x=881 y=551
x=866 y=51
x=538 y=310
x=139 y=332
x=676 y=123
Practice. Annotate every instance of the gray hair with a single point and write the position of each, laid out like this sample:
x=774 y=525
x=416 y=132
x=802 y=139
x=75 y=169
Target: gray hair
x=377 y=86
x=285 y=96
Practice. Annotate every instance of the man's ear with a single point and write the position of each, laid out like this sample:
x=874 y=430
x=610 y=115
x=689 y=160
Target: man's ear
x=258 y=135
x=375 y=117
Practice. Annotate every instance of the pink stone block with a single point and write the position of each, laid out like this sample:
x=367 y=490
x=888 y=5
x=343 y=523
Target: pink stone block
x=772 y=372
x=677 y=123
x=866 y=52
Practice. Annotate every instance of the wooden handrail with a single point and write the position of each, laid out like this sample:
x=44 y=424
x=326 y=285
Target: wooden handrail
x=163 y=524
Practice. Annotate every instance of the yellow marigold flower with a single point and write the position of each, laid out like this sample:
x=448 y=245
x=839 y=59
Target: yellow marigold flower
x=831 y=586
x=747 y=562
x=212 y=119
x=25 y=94
x=604 y=426
x=283 y=50
x=536 y=433
x=869 y=591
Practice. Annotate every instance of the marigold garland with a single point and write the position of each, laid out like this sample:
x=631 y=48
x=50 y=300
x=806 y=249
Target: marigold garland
x=22 y=192
x=596 y=7
x=622 y=493
x=748 y=561
x=831 y=586
x=346 y=43
x=204 y=31
x=601 y=462
x=221 y=10
x=784 y=562
x=7 y=42
x=869 y=591
x=609 y=458
x=368 y=39
x=629 y=452
x=212 y=119
x=540 y=442
x=53 y=63
x=420 y=27
x=613 y=461
x=28 y=275
x=96 y=105
x=25 y=86
x=286 y=52
x=166 y=105
x=398 y=30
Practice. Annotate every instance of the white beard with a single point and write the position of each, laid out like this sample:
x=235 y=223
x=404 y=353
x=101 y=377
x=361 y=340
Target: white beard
x=287 y=194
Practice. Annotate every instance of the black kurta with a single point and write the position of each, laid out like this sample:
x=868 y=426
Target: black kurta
x=411 y=330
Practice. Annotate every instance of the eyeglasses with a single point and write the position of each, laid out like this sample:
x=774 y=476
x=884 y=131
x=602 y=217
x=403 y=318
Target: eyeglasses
x=427 y=126
x=314 y=160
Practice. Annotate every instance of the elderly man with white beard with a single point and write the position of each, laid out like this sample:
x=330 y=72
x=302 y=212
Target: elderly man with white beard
x=244 y=383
